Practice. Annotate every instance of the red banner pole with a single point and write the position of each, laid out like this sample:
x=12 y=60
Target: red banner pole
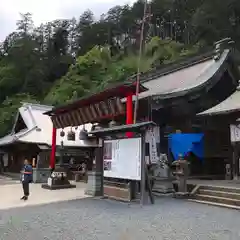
x=53 y=151
x=129 y=113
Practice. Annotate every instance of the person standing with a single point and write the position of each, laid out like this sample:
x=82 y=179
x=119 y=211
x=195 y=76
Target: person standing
x=26 y=178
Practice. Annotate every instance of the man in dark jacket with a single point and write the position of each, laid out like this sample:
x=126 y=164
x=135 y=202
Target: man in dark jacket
x=26 y=178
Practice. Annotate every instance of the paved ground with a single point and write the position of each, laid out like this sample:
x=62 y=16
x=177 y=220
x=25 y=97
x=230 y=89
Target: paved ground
x=7 y=180
x=11 y=193
x=90 y=219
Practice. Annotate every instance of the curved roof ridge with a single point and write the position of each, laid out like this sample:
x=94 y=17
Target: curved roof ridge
x=187 y=61
x=37 y=105
x=176 y=66
x=186 y=80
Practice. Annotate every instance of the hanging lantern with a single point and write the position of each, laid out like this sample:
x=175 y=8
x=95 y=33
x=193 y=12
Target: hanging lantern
x=62 y=133
x=98 y=127
x=83 y=134
x=112 y=123
x=93 y=127
x=71 y=135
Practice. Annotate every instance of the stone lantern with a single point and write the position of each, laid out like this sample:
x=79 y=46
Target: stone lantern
x=181 y=172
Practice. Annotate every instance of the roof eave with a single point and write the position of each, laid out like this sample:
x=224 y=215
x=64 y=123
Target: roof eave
x=218 y=113
x=176 y=66
x=119 y=90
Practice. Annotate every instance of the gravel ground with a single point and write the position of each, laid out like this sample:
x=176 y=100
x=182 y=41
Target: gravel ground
x=168 y=219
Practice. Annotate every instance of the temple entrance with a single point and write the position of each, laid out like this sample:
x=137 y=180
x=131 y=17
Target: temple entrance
x=209 y=157
x=78 y=162
x=121 y=168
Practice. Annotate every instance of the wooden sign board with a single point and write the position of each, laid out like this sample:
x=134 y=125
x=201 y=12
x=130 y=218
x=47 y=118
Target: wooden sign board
x=110 y=108
x=235 y=132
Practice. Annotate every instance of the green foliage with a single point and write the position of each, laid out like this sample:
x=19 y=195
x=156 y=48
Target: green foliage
x=8 y=110
x=97 y=69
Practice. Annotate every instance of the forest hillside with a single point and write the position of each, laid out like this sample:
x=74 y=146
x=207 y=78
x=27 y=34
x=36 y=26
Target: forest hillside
x=67 y=59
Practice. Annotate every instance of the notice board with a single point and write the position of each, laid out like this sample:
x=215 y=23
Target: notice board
x=122 y=158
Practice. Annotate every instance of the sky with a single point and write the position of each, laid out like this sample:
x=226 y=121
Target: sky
x=47 y=10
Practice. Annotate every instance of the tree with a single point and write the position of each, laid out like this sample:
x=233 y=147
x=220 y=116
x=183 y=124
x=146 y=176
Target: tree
x=216 y=19
x=25 y=24
x=97 y=68
x=8 y=110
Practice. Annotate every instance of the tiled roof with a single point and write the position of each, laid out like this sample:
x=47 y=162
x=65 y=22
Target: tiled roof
x=39 y=128
x=178 y=82
x=231 y=104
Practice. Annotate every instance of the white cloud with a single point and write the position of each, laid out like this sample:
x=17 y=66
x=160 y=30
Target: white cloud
x=48 y=10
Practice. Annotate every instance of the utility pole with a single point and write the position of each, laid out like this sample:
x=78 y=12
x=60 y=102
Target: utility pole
x=139 y=59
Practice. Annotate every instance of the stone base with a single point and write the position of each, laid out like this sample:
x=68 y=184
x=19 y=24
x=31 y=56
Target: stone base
x=57 y=187
x=58 y=180
x=92 y=193
x=235 y=178
x=40 y=175
x=181 y=195
x=163 y=186
x=95 y=184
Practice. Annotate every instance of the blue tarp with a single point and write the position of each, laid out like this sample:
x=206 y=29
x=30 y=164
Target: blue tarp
x=183 y=143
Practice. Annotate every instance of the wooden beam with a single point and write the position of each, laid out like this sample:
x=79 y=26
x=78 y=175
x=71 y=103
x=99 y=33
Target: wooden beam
x=149 y=186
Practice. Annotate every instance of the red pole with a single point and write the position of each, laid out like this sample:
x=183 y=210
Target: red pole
x=53 y=151
x=129 y=113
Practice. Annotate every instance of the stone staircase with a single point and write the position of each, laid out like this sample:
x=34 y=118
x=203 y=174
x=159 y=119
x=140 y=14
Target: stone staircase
x=222 y=196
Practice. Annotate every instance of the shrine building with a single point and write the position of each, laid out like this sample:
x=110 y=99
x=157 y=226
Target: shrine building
x=181 y=98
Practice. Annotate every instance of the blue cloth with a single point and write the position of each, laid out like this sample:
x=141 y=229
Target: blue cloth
x=27 y=177
x=183 y=143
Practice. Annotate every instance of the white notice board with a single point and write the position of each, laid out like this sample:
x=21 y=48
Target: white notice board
x=122 y=158
x=235 y=132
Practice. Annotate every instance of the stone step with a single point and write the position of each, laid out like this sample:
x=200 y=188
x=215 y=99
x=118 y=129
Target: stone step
x=231 y=195
x=158 y=178
x=159 y=194
x=221 y=188
x=216 y=199
x=163 y=187
x=215 y=204
x=163 y=191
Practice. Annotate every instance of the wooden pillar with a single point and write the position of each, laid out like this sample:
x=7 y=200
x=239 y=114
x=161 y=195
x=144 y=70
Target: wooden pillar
x=129 y=113
x=53 y=150
x=95 y=177
x=235 y=162
x=143 y=171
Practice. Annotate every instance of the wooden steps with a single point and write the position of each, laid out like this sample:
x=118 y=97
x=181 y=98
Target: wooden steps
x=215 y=204
x=222 y=196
